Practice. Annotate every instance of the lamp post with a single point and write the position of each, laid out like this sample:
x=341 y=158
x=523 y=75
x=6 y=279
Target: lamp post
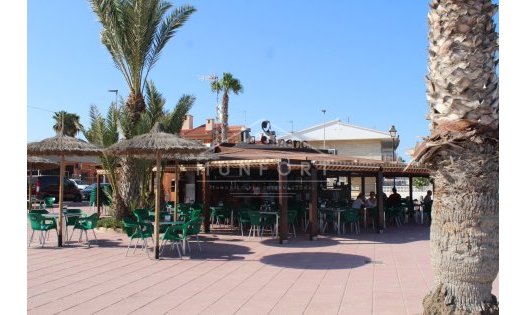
x=116 y=92
x=323 y=111
x=392 y=133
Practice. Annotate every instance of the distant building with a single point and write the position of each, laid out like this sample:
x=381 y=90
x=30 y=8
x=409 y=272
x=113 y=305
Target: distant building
x=348 y=139
x=209 y=131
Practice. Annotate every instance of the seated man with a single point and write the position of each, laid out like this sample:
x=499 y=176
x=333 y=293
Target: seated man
x=394 y=199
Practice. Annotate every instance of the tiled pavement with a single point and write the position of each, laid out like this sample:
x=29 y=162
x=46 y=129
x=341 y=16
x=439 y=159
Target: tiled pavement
x=368 y=273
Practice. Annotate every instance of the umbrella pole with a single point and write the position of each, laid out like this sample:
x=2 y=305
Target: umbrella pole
x=60 y=200
x=157 y=203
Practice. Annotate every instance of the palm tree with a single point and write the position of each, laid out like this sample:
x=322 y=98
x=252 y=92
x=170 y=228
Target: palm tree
x=135 y=32
x=69 y=121
x=104 y=132
x=462 y=151
x=227 y=84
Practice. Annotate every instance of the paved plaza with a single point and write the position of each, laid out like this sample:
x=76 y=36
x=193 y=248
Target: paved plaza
x=368 y=273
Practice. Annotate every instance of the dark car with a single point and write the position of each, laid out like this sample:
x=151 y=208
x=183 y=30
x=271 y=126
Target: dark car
x=86 y=192
x=47 y=186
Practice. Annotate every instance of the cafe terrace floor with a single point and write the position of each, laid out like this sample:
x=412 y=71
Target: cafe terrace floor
x=368 y=273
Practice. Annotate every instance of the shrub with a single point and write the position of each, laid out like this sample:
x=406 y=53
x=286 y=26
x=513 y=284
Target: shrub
x=109 y=223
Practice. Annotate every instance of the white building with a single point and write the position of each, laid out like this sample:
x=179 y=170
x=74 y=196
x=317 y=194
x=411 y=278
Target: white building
x=348 y=139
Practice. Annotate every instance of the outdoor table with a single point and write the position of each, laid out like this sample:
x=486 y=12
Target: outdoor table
x=276 y=213
x=39 y=202
x=219 y=207
x=337 y=211
x=65 y=215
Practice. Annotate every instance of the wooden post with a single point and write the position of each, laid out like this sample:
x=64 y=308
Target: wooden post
x=380 y=199
x=60 y=200
x=363 y=185
x=97 y=190
x=283 y=170
x=313 y=204
x=205 y=188
x=176 y=186
x=411 y=188
x=157 y=203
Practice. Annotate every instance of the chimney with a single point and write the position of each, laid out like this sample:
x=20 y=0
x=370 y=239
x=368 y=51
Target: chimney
x=209 y=124
x=188 y=122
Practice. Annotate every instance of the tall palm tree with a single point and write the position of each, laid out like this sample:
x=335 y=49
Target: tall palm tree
x=462 y=151
x=71 y=122
x=135 y=32
x=226 y=84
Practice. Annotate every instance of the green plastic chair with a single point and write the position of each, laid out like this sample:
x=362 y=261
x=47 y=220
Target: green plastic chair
x=255 y=223
x=291 y=219
x=329 y=218
x=72 y=220
x=268 y=223
x=173 y=234
x=49 y=203
x=143 y=214
x=41 y=211
x=373 y=214
x=84 y=224
x=244 y=219
x=352 y=216
x=394 y=214
x=138 y=231
x=39 y=223
x=192 y=228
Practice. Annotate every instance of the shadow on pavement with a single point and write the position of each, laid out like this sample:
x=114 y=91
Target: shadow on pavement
x=315 y=260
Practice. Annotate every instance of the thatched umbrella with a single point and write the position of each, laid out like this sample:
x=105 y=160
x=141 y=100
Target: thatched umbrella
x=158 y=144
x=40 y=163
x=62 y=146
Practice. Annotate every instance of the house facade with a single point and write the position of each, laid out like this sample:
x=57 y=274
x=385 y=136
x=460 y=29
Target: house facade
x=346 y=139
x=209 y=132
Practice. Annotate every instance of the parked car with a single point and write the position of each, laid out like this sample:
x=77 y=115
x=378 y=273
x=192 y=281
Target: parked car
x=79 y=183
x=86 y=192
x=48 y=186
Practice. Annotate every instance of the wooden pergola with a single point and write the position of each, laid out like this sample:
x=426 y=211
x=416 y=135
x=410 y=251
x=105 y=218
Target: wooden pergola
x=311 y=165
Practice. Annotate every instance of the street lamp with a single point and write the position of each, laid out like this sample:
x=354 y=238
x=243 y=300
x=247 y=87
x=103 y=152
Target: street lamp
x=114 y=91
x=323 y=111
x=392 y=133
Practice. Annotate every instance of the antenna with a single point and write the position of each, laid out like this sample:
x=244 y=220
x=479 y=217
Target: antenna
x=212 y=78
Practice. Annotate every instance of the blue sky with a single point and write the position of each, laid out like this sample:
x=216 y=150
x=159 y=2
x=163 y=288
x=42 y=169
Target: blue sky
x=362 y=61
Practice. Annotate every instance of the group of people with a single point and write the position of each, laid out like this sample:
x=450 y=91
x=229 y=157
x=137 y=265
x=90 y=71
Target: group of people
x=393 y=200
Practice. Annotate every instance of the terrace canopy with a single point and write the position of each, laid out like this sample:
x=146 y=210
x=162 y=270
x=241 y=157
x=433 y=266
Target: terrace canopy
x=308 y=164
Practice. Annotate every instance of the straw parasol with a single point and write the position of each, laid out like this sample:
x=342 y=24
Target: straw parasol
x=62 y=145
x=40 y=163
x=158 y=144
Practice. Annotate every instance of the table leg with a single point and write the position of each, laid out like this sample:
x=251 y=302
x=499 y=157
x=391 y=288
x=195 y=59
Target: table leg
x=365 y=219
x=232 y=219
x=338 y=222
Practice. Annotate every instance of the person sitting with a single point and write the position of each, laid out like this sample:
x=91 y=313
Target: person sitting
x=359 y=202
x=371 y=201
x=394 y=199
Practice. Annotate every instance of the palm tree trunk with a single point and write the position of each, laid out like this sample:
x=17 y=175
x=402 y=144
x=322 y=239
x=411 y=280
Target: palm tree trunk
x=224 y=118
x=465 y=231
x=462 y=90
x=128 y=188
